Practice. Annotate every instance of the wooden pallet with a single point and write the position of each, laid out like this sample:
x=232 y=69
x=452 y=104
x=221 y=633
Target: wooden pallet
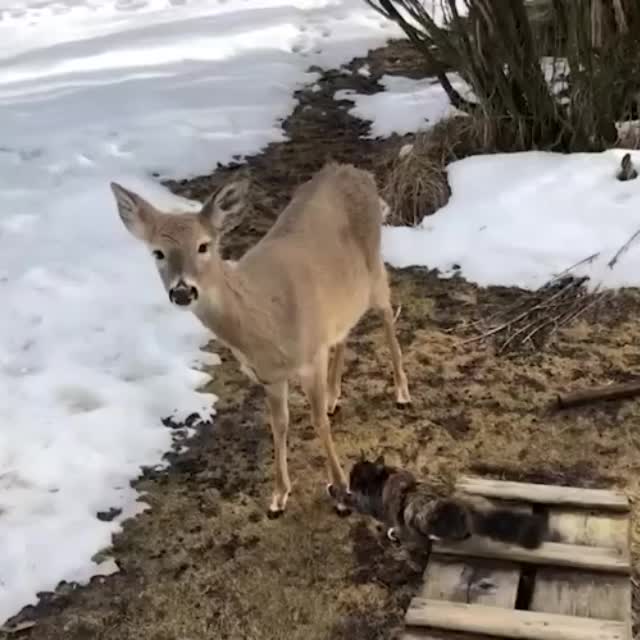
x=578 y=588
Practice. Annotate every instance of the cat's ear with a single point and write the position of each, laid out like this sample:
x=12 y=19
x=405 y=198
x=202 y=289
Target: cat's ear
x=363 y=456
x=379 y=462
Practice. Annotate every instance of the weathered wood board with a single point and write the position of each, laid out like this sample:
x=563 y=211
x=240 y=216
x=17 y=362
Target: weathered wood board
x=576 y=586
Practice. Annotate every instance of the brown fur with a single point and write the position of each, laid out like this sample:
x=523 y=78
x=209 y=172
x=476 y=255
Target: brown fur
x=291 y=298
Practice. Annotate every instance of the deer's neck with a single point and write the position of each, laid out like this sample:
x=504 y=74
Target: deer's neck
x=233 y=311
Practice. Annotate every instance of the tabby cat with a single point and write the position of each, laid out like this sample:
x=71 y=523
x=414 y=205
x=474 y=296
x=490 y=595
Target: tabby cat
x=414 y=512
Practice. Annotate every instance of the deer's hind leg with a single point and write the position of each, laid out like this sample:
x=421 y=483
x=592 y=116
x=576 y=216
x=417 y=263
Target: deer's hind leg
x=314 y=381
x=334 y=383
x=381 y=300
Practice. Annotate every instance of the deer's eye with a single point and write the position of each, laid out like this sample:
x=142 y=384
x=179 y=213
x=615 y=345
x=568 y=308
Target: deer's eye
x=158 y=255
x=204 y=247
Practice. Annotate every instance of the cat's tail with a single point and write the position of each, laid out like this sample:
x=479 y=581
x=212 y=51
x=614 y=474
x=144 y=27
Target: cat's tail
x=457 y=518
x=526 y=530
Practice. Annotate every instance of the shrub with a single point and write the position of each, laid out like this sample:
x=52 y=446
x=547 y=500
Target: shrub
x=552 y=74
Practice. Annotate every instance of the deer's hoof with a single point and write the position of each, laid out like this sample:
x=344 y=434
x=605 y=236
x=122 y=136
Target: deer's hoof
x=274 y=514
x=338 y=495
x=334 y=410
x=342 y=511
x=403 y=397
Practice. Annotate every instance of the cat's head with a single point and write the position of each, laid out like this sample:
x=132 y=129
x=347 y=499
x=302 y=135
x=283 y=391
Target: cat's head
x=367 y=477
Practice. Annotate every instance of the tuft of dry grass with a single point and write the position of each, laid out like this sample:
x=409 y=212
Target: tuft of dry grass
x=414 y=180
x=629 y=135
x=413 y=171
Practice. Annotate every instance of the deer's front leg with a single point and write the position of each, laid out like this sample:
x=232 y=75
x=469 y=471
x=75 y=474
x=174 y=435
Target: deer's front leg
x=314 y=383
x=278 y=414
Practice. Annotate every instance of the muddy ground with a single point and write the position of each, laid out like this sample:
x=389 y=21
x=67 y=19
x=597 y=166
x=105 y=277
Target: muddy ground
x=205 y=562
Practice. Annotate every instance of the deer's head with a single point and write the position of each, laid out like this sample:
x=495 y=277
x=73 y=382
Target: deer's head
x=184 y=245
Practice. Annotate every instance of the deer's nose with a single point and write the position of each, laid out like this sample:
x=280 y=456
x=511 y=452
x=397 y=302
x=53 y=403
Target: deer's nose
x=183 y=294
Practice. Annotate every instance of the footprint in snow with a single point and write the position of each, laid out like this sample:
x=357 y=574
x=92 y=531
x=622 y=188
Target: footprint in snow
x=60 y=9
x=130 y=5
x=79 y=399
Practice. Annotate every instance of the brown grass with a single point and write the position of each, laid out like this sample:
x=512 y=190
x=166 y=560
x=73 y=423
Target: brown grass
x=629 y=135
x=413 y=172
x=415 y=181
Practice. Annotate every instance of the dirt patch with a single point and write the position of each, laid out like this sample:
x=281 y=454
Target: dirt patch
x=205 y=562
x=398 y=58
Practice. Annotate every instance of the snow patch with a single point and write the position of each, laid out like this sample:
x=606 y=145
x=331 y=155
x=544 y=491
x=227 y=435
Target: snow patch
x=405 y=105
x=519 y=219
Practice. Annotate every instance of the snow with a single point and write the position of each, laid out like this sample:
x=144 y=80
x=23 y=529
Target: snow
x=405 y=105
x=92 y=356
x=520 y=219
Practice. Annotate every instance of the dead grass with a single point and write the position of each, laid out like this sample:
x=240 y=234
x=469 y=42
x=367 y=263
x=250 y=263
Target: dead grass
x=629 y=135
x=413 y=171
x=414 y=181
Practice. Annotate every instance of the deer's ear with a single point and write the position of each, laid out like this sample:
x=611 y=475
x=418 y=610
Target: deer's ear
x=224 y=209
x=135 y=212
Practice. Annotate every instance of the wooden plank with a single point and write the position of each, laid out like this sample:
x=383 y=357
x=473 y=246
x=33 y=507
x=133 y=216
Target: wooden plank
x=544 y=494
x=549 y=553
x=584 y=593
x=609 y=392
x=422 y=633
x=475 y=581
x=524 y=625
x=594 y=529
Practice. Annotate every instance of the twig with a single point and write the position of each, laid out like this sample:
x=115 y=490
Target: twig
x=596 y=300
x=513 y=336
x=17 y=628
x=623 y=249
x=529 y=311
x=587 y=260
x=511 y=308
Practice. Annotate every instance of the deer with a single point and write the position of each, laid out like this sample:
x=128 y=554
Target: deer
x=286 y=307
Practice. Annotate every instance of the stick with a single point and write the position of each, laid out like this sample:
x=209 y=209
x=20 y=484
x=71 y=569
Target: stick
x=622 y=249
x=540 y=305
x=610 y=392
x=21 y=626
x=587 y=260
